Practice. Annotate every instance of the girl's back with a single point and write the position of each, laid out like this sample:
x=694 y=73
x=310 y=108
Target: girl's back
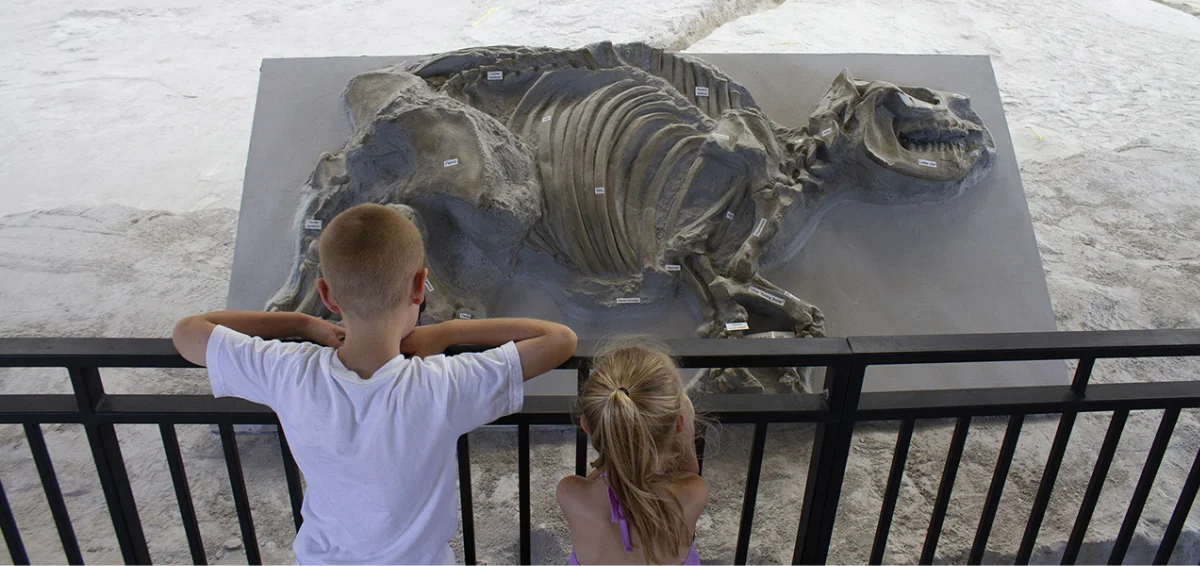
x=641 y=503
x=590 y=510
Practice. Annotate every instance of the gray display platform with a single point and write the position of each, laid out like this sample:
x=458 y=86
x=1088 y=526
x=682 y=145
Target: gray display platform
x=970 y=265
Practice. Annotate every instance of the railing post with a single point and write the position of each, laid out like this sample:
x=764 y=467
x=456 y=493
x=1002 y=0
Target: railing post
x=581 y=441
x=110 y=466
x=525 y=550
x=827 y=467
x=465 y=499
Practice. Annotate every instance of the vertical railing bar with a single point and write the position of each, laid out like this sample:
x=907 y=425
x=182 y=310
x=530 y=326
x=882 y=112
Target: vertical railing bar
x=526 y=552
x=465 y=499
x=701 y=444
x=581 y=446
x=1141 y=493
x=110 y=466
x=241 y=502
x=953 y=457
x=750 y=496
x=12 y=534
x=1187 y=496
x=1091 y=494
x=581 y=441
x=999 y=476
x=183 y=493
x=827 y=465
x=292 y=472
x=1037 y=513
x=892 y=492
x=54 y=496
x=1083 y=372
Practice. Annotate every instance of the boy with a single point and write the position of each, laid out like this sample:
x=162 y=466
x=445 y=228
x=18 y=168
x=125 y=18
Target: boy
x=372 y=413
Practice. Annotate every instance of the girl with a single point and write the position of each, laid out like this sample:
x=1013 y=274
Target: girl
x=641 y=503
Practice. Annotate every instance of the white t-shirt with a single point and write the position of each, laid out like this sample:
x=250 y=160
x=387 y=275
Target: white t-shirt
x=378 y=454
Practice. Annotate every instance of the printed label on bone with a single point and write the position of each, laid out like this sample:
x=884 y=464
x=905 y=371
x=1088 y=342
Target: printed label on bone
x=599 y=190
x=826 y=131
x=312 y=224
x=428 y=286
x=450 y=162
x=729 y=215
x=464 y=315
x=927 y=163
x=959 y=96
x=701 y=91
x=736 y=326
x=545 y=118
x=776 y=300
x=673 y=267
x=720 y=136
x=629 y=300
x=495 y=75
x=758 y=229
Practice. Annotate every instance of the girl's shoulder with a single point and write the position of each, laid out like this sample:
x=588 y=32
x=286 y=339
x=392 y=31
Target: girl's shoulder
x=573 y=487
x=692 y=492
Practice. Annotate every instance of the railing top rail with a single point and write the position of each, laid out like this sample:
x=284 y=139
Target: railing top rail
x=943 y=348
x=949 y=348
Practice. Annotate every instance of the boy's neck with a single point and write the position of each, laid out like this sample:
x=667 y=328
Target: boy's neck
x=372 y=343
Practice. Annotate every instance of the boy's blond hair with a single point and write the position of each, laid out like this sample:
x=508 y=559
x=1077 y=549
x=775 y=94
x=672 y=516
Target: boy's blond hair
x=369 y=256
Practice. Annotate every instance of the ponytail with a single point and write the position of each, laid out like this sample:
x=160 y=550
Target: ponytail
x=631 y=404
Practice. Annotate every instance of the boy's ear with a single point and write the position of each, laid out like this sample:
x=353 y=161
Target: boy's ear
x=418 y=286
x=326 y=297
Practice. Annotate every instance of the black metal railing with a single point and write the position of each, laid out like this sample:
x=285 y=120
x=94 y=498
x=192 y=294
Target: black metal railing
x=835 y=411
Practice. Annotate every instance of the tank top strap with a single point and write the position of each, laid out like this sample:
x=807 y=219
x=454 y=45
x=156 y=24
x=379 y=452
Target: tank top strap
x=617 y=515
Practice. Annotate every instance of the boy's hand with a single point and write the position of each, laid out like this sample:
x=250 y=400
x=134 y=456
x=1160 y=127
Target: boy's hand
x=424 y=341
x=323 y=332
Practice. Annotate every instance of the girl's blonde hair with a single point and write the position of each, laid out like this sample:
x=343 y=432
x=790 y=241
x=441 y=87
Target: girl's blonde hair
x=631 y=403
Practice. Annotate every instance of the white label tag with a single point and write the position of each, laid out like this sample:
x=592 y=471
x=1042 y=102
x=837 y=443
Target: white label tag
x=545 y=118
x=673 y=267
x=826 y=131
x=729 y=215
x=720 y=136
x=974 y=152
x=312 y=224
x=927 y=163
x=629 y=300
x=599 y=190
x=450 y=162
x=464 y=315
x=701 y=91
x=762 y=222
x=736 y=326
x=959 y=96
x=495 y=75
x=776 y=300
x=428 y=286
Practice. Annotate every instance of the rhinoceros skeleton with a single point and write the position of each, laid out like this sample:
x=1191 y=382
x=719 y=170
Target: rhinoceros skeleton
x=634 y=169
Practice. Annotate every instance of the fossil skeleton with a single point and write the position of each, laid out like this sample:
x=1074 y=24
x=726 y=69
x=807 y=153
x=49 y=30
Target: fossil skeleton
x=635 y=169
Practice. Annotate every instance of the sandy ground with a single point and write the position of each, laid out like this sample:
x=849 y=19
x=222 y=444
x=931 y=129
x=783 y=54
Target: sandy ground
x=126 y=128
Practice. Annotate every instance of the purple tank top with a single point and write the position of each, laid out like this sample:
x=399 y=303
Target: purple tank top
x=617 y=515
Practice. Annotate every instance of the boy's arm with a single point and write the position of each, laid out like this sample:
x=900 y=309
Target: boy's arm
x=192 y=333
x=541 y=345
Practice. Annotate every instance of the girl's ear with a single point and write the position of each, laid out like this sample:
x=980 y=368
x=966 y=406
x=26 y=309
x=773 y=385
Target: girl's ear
x=584 y=426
